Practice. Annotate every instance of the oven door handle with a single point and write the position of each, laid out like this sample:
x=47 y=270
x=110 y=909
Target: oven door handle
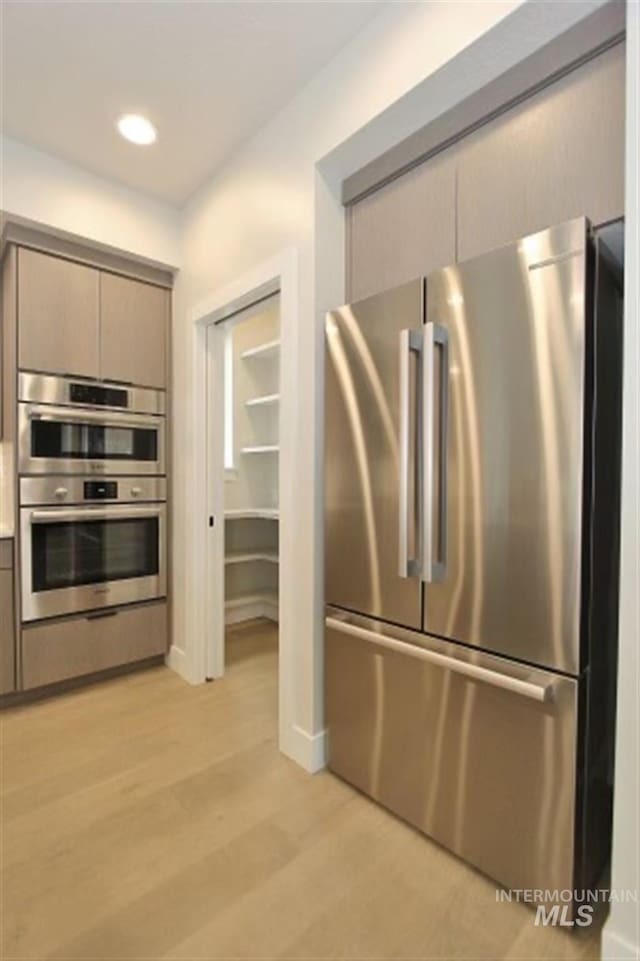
x=88 y=514
x=106 y=419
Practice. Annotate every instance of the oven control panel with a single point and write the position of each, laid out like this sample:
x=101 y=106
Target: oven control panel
x=96 y=395
x=101 y=490
x=82 y=490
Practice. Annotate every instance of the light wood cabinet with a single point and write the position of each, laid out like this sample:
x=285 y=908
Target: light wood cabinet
x=80 y=320
x=58 y=315
x=7 y=621
x=56 y=650
x=558 y=155
x=133 y=331
x=403 y=230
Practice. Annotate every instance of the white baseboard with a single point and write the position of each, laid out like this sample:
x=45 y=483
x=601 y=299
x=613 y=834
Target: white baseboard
x=270 y=611
x=176 y=659
x=617 y=948
x=248 y=612
x=307 y=750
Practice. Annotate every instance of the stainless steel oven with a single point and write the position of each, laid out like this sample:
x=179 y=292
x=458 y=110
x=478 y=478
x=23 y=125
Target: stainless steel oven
x=87 y=544
x=75 y=426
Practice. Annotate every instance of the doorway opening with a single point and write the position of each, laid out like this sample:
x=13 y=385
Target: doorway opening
x=216 y=592
x=245 y=350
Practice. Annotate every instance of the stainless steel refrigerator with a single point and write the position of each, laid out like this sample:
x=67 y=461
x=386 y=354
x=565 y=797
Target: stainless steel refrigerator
x=472 y=484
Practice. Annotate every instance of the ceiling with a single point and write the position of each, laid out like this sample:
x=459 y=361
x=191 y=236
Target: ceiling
x=207 y=74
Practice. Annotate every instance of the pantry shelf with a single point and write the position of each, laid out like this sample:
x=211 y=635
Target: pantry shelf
x=262 y=350
x=245 y=557
x=263 y=401
x=247 y=513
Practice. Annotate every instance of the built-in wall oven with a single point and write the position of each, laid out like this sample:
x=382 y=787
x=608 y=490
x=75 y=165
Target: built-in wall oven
x=87 y=544
x=74 y=426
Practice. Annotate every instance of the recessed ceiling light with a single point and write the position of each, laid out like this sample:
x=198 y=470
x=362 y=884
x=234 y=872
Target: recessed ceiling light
x=137 y=129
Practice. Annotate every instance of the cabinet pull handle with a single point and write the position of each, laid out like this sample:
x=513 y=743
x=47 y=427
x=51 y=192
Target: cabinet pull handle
x=99 y=615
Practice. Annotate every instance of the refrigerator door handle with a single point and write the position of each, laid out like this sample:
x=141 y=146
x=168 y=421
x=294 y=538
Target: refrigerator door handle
x=434 y=564
x=410 y=341
x=536 y=692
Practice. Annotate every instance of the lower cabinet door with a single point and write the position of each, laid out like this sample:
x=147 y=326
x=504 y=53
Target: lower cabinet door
x=7 y=628
x=57 y=650
x=477 y=751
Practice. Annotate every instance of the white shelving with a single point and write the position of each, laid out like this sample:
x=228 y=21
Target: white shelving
x=262 y=350
x=261 y=449
x=248 y=513
x=263 y=401
x=251 y=533
x=245 y=557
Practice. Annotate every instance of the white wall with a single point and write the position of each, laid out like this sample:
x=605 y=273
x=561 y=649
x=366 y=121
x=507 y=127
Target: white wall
x=262 y=202
x=622 y=932
x=43 y=188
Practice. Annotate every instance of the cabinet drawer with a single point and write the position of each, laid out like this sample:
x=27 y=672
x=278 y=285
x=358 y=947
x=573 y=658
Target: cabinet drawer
x=476 y=762
x=57 y=650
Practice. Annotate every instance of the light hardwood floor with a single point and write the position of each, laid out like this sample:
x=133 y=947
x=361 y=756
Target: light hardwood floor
x=143 y=818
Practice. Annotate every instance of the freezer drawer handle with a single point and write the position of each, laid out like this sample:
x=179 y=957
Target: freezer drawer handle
x=410 y=341
x=537 y=692
x=434 y=566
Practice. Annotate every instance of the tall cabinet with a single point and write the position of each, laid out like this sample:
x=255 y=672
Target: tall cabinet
x=72 y=310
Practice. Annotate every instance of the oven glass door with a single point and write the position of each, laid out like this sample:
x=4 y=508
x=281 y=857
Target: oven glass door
x=63 y=440
x=73 y=553
x=60 y=439
x=89 y=558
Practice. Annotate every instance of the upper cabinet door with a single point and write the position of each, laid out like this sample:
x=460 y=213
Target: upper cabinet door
x=133 y=331
x=557 y=156
x=403 y=230
x=57 y=315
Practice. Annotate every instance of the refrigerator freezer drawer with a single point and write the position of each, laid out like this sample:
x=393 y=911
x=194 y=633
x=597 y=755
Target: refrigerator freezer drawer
x=476 y=751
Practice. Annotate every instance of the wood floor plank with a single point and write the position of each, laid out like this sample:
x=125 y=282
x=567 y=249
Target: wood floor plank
x=145 y=818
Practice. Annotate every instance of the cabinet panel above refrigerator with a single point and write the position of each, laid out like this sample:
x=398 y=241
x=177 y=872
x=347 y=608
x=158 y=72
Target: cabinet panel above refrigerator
x=362 y=457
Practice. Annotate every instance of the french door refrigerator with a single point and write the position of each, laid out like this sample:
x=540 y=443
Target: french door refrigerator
x=471 y=490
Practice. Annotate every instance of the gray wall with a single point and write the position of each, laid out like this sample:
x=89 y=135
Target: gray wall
x=558 y=155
